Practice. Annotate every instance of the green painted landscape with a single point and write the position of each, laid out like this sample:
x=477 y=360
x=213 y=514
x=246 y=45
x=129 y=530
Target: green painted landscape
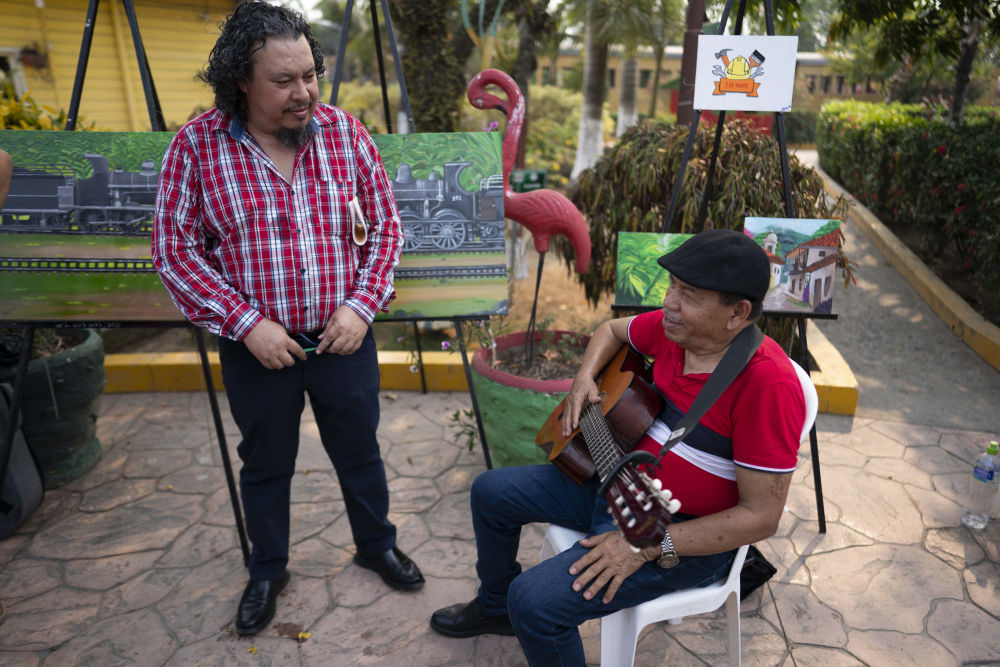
x=640 y=280
x=74 y=232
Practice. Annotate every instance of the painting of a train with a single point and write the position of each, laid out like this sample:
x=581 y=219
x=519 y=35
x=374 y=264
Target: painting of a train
x=111 y=200
x=438 y=214
x=74 y=232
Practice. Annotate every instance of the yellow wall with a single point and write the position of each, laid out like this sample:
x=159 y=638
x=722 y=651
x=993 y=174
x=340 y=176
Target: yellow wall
x=177 y=37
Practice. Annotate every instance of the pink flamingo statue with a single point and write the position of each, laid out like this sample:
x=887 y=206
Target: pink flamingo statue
x=544 y=212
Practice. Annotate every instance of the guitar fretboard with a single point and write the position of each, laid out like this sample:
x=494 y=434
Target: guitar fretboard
x=604 y=449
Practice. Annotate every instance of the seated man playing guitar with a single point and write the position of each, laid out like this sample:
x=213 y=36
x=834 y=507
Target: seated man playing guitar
x=730 y=473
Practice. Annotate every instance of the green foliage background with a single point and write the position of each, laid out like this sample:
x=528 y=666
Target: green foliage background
x=913 y=168
x=641 y=281
x=630 y=186
x=58 y=149
x=427 y=152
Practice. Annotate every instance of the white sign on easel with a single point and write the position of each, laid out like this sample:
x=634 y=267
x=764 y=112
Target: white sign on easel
x=745 y=72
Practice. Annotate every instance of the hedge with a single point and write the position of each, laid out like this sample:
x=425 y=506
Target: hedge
x=913 y=168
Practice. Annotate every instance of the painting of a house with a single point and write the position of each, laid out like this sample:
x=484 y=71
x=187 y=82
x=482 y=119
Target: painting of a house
x=803 y=259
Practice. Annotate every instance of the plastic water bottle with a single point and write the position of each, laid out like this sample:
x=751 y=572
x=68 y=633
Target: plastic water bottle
x=982 y=486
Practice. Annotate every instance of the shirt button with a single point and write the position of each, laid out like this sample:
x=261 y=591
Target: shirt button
x=303 y=272
x=305 y=308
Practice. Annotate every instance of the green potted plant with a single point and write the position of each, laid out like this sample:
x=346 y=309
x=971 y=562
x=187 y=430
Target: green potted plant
x=630 y=187
x=61 y=398
x=514 y=398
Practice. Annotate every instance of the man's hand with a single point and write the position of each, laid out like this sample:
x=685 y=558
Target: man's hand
x=343 y=332
x=583 y=391
x=609 y=562
x=269 y=342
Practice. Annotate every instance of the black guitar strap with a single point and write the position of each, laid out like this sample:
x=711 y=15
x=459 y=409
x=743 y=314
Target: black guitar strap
x=735 y=359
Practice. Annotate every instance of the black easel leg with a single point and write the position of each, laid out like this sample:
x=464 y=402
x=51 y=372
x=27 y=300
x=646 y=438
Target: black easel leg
x=81 y=65
x=234 y=498
x=813 y=442
x=529 y=341
x=710 y=176
x=675 y=195
x=338 y=71
x=472 y=393
x=15 y=406
x=156 y=120
x=381 y=69
x=420 y=358
x=786 y=178
x=404 y=96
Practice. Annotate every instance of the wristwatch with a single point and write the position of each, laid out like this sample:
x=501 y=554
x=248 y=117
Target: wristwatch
x=668 y=557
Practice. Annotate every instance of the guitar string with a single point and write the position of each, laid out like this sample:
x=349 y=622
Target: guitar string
x=597 y=435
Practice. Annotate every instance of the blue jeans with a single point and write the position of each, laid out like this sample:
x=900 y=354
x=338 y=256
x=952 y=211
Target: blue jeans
x=544 y=609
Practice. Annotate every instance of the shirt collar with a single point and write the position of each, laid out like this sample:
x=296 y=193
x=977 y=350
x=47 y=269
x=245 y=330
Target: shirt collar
x=238 y=130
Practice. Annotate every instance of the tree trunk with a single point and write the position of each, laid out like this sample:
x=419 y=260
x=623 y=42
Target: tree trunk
x=656 y=83
x=627 y=114
x=533 y=21
x=435 y=80
x=896 y=83
x=689 y=60
x=963 y=69
x=591 y=135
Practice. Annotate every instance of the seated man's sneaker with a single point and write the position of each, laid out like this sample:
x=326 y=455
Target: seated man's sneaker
x=469 y=620
x=258 y=604
x=395 y=568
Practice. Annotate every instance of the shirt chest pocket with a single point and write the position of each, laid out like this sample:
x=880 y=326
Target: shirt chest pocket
x=335 y=188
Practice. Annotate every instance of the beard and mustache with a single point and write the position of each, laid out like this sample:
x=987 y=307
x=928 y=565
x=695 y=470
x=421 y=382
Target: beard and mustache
x=294 y=137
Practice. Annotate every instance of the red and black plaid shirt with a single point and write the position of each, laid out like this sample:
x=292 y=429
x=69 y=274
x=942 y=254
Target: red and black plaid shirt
x=234 y=241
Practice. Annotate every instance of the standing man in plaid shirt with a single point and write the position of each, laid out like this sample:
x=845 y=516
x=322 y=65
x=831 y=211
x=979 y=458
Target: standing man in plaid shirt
x=253 y=241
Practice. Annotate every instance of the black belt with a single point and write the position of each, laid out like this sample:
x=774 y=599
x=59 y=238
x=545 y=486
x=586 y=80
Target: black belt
x=308 y=338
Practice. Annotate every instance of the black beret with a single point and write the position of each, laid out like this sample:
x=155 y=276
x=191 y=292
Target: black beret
x=722 y=260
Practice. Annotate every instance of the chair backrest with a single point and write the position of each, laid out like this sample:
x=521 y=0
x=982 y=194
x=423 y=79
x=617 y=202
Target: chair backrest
x=811 y=399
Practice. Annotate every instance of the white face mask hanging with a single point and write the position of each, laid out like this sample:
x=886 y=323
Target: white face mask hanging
x=359 y=227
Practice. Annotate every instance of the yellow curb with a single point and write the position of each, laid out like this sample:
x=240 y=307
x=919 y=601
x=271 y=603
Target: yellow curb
x=181 y=371
x=835 y=383
x=979 y=334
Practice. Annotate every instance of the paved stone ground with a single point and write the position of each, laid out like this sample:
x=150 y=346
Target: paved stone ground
x=138 y=562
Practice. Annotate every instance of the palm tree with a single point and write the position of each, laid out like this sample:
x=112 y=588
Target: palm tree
x=590 y=138
x=664 y=27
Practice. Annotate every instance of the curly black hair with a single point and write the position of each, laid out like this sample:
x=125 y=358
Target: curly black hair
x=244 y=33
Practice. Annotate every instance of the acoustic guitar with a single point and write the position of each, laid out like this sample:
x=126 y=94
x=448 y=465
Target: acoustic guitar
x=607 y=432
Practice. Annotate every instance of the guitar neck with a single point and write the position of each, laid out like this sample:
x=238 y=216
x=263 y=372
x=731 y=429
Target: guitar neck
x=604 y=448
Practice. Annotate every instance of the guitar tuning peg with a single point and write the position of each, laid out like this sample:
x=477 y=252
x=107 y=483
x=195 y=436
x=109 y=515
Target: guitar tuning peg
x=609 y=511
x=657 y=484
x=634 y=549
x=673 y=506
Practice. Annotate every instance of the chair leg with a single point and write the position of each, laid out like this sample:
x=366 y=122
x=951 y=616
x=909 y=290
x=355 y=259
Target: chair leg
x=733 y=628
x=618 y=638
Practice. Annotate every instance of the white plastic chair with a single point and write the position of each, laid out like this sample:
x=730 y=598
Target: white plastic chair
x=620 y=630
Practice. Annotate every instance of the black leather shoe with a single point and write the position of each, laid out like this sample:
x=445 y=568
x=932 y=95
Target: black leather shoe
x=258 y=603
x=469 y=620
x=395 y=568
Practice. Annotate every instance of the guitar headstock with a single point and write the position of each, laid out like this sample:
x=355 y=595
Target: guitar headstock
x=641 y=508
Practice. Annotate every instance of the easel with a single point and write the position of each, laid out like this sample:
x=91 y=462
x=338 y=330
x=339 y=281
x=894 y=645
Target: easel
x=779 y=123
x=157 y=124
x=405 y=101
